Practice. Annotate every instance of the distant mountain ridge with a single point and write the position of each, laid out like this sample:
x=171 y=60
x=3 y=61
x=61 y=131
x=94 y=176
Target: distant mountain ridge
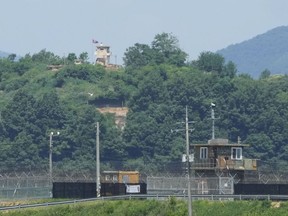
x=265 y=51
x=4 y=54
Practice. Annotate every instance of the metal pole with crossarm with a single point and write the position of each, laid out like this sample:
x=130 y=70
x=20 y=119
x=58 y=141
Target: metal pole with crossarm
x=187 y=130
x=51 y=160
x=188 y=164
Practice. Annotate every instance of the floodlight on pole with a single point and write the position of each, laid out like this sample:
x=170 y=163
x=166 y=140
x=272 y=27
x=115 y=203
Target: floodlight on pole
x=213 y=119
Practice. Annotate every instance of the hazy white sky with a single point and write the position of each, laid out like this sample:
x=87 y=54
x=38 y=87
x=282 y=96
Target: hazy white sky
x=65 y=26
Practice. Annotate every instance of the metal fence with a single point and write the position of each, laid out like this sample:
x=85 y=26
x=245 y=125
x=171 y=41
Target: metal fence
x=24 y=185
x=17 y=185
x=266 y=177
x=30 y=185
x=179 y=185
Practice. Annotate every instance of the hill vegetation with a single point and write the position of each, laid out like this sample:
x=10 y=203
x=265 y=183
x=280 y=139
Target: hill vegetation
x=268 y=51
x=155 y=84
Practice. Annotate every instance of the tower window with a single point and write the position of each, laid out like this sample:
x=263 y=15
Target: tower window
x=203 y=153
x=236 y=153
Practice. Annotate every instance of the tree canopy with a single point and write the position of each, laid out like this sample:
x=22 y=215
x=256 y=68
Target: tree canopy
x=164 y=49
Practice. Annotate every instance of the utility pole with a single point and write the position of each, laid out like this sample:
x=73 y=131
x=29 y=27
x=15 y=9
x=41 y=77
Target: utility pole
x=97 y=161
x=50 y=161
x=187 y=130
x=188 y=164
x=50 y=164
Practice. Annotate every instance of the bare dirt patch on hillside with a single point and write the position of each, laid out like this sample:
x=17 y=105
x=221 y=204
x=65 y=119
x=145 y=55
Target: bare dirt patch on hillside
x=118 y=111
x=120 y=114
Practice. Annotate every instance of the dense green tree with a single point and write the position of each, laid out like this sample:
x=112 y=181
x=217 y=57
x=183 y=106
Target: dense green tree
x=71 y=58
x=6 y=67
x=21 y=67
x=12 y=57
x=229 y=70
x=85 y=72
x=150 y=90
x=84 y=57
x=19 y=119
x=265 y=74
x=209 y=62
x=164 y=50
x=46 y=57
x=138 y=56
x=167 y=50
x=19 y=113
x=50 y=118
x=79 y=134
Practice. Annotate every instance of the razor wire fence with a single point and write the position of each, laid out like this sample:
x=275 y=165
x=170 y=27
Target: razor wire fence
x=199 y=186
x=20 y=185
x=24 y=185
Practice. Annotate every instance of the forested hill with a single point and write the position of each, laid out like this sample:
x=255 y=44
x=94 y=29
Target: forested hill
x=155 y=84
x=266 y=51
